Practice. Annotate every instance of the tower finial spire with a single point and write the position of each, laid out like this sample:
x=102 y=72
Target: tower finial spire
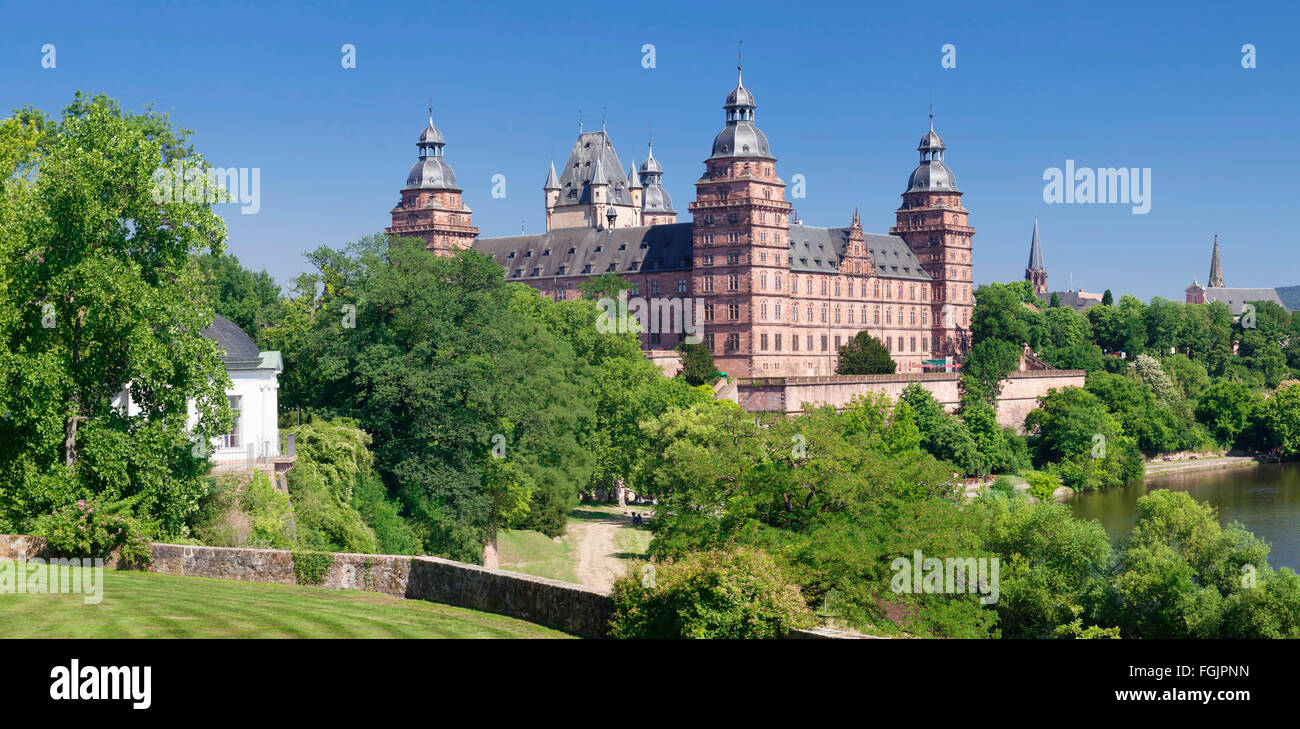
x=602 y=118
x=932 y=112
x=740 y=61
x=579 y=121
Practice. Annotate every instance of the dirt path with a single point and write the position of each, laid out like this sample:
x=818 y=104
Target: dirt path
x=598 y=565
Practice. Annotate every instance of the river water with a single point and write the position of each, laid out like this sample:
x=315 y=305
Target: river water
x=1265 y=499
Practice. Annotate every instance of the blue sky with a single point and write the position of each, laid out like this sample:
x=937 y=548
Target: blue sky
x=842 y=90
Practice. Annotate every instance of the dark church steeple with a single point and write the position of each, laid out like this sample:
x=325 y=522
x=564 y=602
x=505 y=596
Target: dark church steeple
x=1036 y=272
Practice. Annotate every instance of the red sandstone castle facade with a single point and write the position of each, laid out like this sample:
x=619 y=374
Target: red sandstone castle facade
x=778 y=297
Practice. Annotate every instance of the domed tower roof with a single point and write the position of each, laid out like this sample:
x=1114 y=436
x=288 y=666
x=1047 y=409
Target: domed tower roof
x=651 y=165
x=740 y=138
x=932 y=175
x=431 y=171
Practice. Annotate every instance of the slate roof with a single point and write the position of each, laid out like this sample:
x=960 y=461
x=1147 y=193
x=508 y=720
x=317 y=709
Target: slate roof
x=643 y=249
x=592 y=151
x=1237 y=298
x=820 y=249
x=1290 y=296
x=650 y=249
x=238 y=350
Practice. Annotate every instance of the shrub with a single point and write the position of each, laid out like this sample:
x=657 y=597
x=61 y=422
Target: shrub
x=1004 y=485
x=90 y=529
x=1042 y=486
x=311 y=568
x=714 y=594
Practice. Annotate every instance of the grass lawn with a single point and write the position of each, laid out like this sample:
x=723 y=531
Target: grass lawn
x=534 y=553
x=144 y=605
x=633 y=541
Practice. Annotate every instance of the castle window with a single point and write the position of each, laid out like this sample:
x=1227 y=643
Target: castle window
x=837 y=315
x=823 y=314
x=708 y=284
x=708 y=260
x=823 y=287
x=877 y=289
x=763 y=341
x=794 y=343
x=889 y=343
x=924 y=317
x=528 y=254
x=654 y=288
x=794 y=312
x=681 y=286
x=612 y=268
x=837 y=344
x=762 y=281
x=563 y=270
x=777 y=306
x=809 y=341
x=808 y=286
x=596 y=249
x=889 y=315
x=810 y=316
x=875 y=317
x=762 y=310
x=837 y=287
x=572 y=251
x=708 y=312
x=824 y=342
x=733 y=342
x=536 y=272
x=546 y=252
x=777 y=283
x=777 y=343
x=913 y=344
x=850 y=314
x=733 y=258
x=586 y=268
x=733 y=282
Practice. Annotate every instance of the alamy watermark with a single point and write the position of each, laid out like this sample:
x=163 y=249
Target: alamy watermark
x=656 y=315
x=210 y=185
x=952 y=576
x=1104 y=185
x=76 y=576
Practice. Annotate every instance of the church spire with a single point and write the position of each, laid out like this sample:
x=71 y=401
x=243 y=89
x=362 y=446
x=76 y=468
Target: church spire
x=1036 y=272
x=1216 y=269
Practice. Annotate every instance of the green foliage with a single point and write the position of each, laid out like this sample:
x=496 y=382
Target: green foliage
x=250 y=300
x=383 y=515
x=444 y=367
x=986 y=366
x=1281 y=419
x=742 y=593
x=864 y=355
x=1050 y=563
x=332 y=457
x=697 y=364
x=1072 y=430
x=943 y=436
x=311 y=568
x=87 y=249
x=1181 y=575
x=89 y=529
x=1226 y=409
x=242 y=511
x=1042 y=486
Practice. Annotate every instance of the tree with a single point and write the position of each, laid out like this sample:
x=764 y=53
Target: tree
x=250 y=300
x=1073 y=432
x=606 y=284
x=697 y=364
x=1107 y=299
x=864 y=355
x=476 y=411
x=1055 y=301
x=1281 y=414
x=1226 y=409
x=103 y=299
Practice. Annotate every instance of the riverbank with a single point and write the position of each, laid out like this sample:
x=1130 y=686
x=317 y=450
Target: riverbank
x=1211 y=463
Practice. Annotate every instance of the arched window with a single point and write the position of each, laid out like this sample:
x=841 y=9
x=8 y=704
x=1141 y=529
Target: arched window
x=837 y=315
x=875 y=318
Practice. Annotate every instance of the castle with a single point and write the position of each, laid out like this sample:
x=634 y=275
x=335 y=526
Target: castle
x=778 y=297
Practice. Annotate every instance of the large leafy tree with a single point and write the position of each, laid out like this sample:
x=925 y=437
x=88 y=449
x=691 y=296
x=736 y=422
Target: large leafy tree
x=103 y=299
x=476 y=411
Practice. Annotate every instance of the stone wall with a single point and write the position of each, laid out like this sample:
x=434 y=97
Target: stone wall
x=22 y=547
x=572 y=608
x=1020 y=391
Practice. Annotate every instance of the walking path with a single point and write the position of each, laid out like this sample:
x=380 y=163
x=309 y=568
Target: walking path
x=594 y=539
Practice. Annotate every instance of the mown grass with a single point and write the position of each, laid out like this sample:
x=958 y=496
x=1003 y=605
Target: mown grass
x=534 y=553
x=144 y=605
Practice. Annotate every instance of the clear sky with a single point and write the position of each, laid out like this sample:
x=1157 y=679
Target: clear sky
x=842 y=90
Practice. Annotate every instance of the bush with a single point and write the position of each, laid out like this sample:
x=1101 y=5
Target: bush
x=1042 y=486
x=89 y=529
x=239 y=511
x=311 y=568
x=715 y=594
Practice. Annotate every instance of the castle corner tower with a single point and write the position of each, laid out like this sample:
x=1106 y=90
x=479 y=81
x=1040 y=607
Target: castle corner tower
x=740 y=232
x=934 y=224
x=431 y=206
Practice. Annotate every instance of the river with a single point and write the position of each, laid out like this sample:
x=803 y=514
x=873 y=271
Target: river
x=1265 y=499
